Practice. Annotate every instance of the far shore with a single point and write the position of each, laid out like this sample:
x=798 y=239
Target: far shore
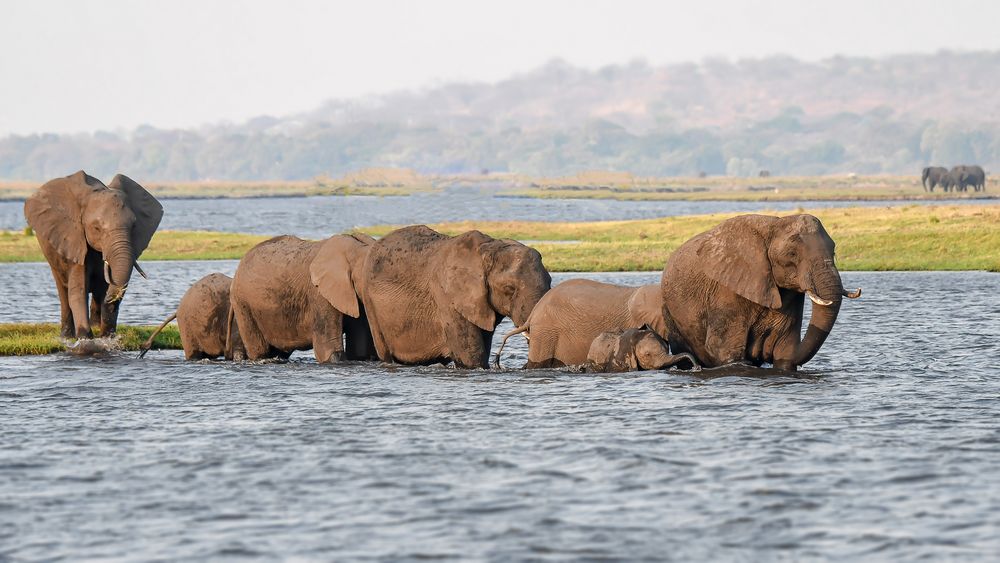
x=905 y=238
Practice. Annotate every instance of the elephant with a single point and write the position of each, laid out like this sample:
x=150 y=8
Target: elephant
x=92 y=236
x=433 y=298
x=971 y=175
x=204 y=320
x=952 y=180
x=931 y=177
x=290 y=294
x=735 y=293
x=632 y=350
x=571 y=315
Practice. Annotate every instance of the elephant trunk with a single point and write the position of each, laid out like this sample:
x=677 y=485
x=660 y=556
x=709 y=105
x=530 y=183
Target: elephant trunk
x=829 y=289
x=120 y=259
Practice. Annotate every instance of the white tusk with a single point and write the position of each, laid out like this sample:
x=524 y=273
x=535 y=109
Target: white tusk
x=818 y=300
x=107 y=272
x=852 y=294
x=138 y=269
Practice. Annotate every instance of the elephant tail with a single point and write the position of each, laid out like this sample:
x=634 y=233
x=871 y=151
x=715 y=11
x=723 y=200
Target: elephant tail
x=517 y=330
x=149 y=343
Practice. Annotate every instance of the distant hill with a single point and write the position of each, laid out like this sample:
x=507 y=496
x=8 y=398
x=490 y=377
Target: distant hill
x=869 y=116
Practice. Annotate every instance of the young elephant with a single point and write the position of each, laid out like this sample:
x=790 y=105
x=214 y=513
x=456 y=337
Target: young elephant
x=204 y=321
x=632 y=350
x=433 y=298
x=291 y=294
x=563 y=324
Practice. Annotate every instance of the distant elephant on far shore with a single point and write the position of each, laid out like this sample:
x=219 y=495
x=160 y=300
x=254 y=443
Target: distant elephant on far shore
x=571 y=315
x=932 y=176
x=971 y=175
x=208 y=330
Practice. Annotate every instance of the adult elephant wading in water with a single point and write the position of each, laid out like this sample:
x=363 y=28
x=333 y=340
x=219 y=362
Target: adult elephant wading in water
x=736 y=293
x=291 y=294
x=433 y=298
x=91 y=236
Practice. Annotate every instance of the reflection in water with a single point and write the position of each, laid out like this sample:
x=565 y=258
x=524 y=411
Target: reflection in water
x=885 y=447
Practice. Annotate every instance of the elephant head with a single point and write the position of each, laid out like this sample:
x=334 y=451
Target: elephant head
x=486 y=279
x=78 y=212
x=773 y=261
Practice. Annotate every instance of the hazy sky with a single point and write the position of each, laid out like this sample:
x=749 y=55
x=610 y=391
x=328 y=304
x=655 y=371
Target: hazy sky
x=77 y=65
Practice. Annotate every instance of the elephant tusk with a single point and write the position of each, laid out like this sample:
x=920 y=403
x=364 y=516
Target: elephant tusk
x=852 y=294
x=138 y=269
x=818 y=300
x=107 y=272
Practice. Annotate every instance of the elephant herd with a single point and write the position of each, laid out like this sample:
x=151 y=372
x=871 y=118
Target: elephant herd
x=733 y=294
x=959 y=178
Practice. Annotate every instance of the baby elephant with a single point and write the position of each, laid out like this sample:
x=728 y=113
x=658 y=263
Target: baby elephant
x=632 y=350
x=207 y=328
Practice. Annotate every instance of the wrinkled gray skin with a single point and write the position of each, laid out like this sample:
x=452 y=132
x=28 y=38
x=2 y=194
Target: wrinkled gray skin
x=203 y=320
x=291 y=294
x=433 y=298
x=735 y=293
x=571 y=315
x=932 y=176
x=632 y=350
x=91 y=236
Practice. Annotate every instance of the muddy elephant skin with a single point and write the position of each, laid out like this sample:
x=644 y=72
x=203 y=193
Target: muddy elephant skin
x=632 y=350
x=433 y=298
x=290 y=294
x=571 y=315
x=736 y=293
x=91 y=236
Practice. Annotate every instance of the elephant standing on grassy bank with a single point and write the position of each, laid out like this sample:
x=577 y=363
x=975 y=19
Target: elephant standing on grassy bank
x=932 y=176
x=736 y=293
x=291 y=294
x=91 y=236
x=566 y=321
x=207 y=329
x=432 y=298
x=973 y=175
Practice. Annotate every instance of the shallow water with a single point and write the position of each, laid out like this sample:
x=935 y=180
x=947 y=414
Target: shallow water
x=887 y=447
x=321 y=216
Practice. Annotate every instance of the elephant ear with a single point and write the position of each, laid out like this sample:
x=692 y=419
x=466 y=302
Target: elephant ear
x=55 y=212
x=463 y=280
x=146 y=208
x=646 y=309
x=735 y=256
x=332 y=272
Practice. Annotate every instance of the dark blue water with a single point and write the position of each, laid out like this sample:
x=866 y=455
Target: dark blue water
x=887 y=447
x=322 y=216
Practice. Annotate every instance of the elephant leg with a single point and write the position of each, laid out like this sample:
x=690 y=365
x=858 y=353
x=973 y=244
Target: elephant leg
x=257 y=348
x=66 y=328
x=328 y=334
x=467 y=344
x=542 y=348
x=77 y=297
x=725 y=340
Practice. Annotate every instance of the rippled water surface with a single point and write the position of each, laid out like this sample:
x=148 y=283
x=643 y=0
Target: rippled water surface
x=322 y=216
x=887 y=447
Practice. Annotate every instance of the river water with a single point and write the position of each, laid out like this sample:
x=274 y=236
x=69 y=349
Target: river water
x=322 y=216
x=886 y=447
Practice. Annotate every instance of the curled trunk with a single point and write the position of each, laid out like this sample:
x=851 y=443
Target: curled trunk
x=120 y=258
x=828 y=287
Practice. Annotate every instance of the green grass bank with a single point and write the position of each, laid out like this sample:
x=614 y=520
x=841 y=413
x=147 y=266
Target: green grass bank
x=25 y=339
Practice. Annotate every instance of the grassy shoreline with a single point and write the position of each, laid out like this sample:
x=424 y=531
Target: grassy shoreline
x=27 y=339
x=909 y=237
x=586 y=185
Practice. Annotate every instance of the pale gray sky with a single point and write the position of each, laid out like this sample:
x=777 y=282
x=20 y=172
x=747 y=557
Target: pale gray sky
x=79 y=65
